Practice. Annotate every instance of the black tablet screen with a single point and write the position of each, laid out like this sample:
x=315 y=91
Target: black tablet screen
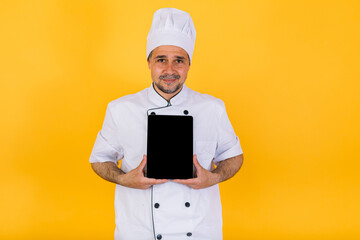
x=170 y=147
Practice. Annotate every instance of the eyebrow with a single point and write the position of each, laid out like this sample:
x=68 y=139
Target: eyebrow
x=160 y=56
x=180 y=57
x=164 y=56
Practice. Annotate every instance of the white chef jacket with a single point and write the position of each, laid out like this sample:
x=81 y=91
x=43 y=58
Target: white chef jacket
x=168 y=211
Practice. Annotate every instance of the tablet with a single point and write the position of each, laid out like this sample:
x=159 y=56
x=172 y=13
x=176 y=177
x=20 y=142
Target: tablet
x=169 y=147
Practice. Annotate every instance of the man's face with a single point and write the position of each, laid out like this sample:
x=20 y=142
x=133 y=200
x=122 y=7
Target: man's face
x=169 y=66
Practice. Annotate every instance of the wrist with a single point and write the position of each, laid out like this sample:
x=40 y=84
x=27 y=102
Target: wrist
x=216 y=178
x=119 y=178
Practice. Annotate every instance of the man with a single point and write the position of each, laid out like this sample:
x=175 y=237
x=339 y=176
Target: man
x=148 y=208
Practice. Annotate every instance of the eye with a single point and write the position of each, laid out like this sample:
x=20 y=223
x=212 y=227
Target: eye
x=160 y=60
x=179 y=61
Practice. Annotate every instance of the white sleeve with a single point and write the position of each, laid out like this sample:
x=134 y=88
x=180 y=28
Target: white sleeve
x=228 y=144
x=107 y=147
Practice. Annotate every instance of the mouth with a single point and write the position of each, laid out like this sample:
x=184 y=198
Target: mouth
x=170 y=80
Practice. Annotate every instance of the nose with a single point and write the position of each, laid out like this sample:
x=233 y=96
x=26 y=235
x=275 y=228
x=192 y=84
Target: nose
x=170 y=68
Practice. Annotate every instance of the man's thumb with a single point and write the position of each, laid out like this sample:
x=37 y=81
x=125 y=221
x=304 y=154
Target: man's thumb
x=143 y=163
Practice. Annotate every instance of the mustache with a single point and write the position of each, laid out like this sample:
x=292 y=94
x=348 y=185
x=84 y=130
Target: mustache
x=172 y=76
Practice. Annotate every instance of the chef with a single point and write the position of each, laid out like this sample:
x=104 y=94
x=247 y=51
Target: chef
x=177 y=209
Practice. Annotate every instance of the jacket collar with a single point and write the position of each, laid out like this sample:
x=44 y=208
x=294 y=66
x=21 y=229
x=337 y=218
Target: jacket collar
x=158 y=100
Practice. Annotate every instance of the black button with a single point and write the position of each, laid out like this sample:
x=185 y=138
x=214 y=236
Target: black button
x=157 y=205
x=189 y=234
x=187 y=204
x=159 y=236
x=153 y=113
x=186 y=112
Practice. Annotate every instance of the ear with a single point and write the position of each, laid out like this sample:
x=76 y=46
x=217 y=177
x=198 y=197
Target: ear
x=148 y=63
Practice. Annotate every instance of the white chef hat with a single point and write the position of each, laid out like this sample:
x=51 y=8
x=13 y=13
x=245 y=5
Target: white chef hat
x=171 y=26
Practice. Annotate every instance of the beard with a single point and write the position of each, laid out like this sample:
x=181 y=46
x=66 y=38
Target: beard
x=169 y=89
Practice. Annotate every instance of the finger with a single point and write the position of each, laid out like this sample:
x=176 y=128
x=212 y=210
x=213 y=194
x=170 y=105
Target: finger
x=196 y=162
x=182 y=182
x=152 y=181
x=159 y=181
x=143 y=163
x=185 y=181
x=198 y=167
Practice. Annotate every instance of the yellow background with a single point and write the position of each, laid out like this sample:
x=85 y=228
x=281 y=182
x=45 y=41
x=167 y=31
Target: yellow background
x=288 y=72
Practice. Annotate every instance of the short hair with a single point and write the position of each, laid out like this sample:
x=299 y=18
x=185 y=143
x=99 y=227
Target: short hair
x=150 y=54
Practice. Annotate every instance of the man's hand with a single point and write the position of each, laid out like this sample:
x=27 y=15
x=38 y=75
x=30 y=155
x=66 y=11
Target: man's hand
x=136 y=179
x=133 y=179
x=204 y=178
